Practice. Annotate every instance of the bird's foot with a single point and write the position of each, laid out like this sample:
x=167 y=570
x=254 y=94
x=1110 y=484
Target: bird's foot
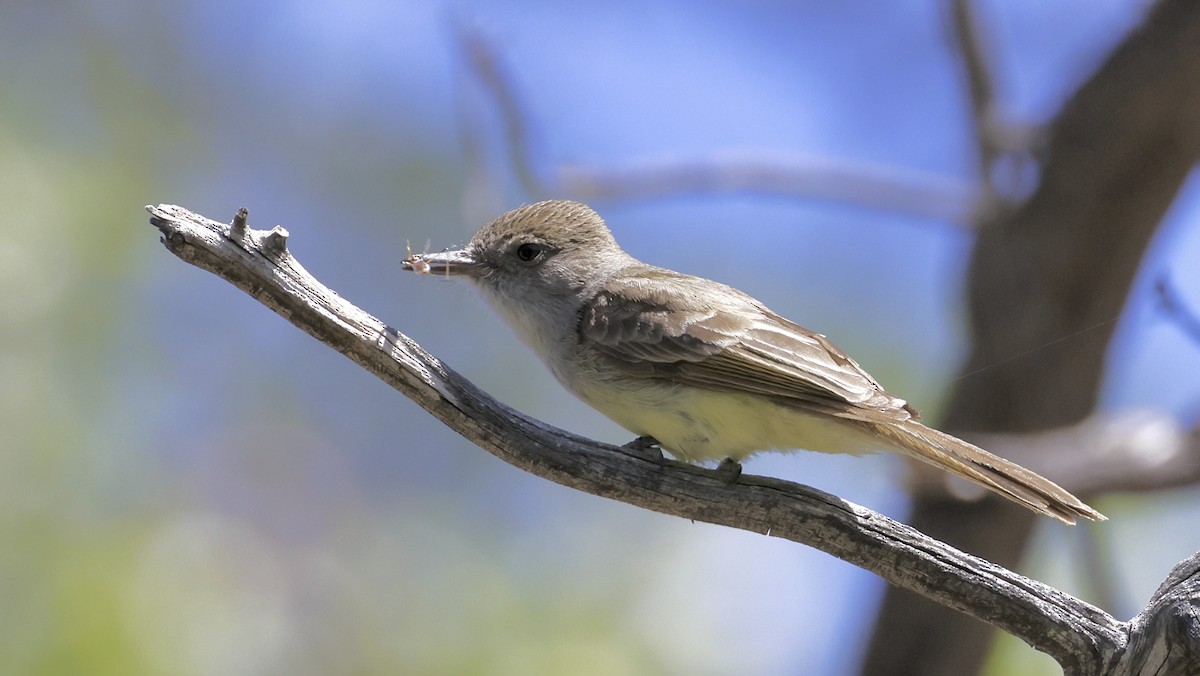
x=730 y=470
x=645 y=447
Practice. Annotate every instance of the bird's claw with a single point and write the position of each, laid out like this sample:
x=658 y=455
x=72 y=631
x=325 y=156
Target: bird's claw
x=645 y=447
x=730 y=470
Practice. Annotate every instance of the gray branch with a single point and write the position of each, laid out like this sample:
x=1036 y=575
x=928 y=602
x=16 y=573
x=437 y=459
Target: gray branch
x=1082 y=638
x=967 y=35
x=1136 y=450
x=874 y=185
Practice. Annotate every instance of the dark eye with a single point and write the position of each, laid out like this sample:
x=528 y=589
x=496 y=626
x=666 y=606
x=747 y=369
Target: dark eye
x=529 y=252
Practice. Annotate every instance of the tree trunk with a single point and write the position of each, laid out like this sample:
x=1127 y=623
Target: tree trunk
x=1046 y=281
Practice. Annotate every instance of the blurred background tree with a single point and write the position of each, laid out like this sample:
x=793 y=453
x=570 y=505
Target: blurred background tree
x=272 y=509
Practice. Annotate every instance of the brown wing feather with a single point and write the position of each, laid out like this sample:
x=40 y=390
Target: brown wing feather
x=661 y=324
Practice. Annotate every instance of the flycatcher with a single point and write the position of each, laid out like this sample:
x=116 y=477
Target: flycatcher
x=704 y=369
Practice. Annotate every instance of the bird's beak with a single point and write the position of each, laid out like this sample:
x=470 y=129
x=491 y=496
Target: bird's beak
x=461 y=262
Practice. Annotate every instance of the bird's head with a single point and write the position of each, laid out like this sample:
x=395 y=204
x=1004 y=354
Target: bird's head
x=553 y=248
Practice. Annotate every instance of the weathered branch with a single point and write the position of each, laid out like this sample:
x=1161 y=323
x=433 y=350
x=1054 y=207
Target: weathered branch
x=1165 y=637
x=1084 y=639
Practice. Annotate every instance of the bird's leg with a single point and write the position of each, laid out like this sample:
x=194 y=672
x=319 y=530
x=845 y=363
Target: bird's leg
x=645 y=447
x=730 y=470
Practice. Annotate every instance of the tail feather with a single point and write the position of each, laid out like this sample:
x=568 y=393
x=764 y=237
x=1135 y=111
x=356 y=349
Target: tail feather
x=995 y=473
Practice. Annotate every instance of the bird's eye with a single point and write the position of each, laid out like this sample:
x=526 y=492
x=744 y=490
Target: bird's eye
x=530 y=252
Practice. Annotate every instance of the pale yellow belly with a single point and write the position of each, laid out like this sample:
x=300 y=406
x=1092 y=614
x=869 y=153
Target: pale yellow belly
x=695 y=424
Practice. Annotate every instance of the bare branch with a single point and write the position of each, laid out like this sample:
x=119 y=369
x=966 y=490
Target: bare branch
x=1004 y=150
x=1176 y=308
x=485 y=64
x=1081 y=637
x=1134 y=450
x=878 y=186
x=887 y=188
x=1164 y=637
x=980 y=88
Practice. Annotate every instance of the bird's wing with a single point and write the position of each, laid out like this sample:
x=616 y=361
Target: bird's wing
x=662 y=324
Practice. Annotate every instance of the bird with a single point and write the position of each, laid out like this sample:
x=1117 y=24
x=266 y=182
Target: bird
x=696 y=367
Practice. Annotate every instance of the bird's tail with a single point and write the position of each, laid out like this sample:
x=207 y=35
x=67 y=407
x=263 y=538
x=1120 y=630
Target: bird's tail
x=975 y=464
